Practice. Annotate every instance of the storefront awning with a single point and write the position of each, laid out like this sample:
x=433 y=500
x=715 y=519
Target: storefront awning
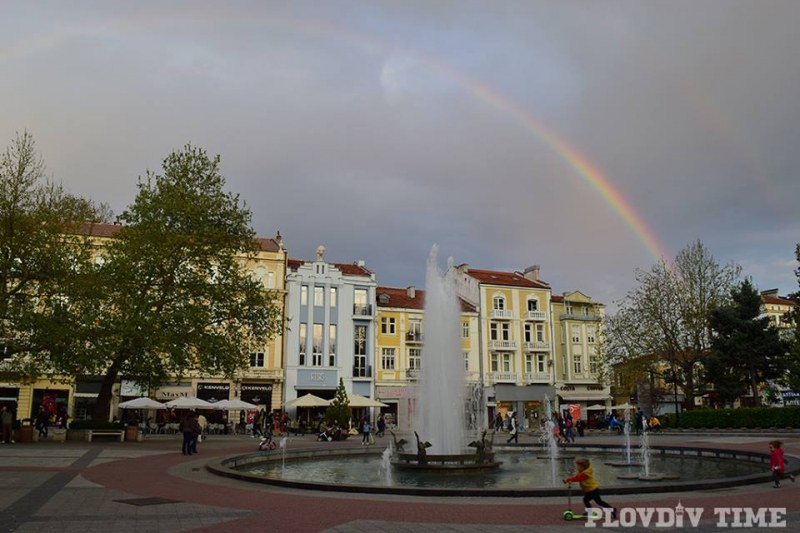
x=516 y=393
x=584 y=396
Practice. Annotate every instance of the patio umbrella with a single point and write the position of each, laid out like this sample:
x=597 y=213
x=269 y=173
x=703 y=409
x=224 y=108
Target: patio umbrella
x=596 y=407
x=356 y=400
x=624 y=406
x=307 y=400
x=234 y=405
x=189 y=402
x=142 y=403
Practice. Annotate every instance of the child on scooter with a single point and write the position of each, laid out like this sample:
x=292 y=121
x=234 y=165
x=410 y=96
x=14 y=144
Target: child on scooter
x=590 y=487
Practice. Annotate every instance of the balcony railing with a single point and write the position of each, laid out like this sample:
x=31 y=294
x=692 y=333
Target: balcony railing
x=362 y=371
x=495 y=377
x=414 y=337
x=536 y=376
x=537 y=346
x=583 y=318
x=503 y=345
x=536 y=315
x=412 y=373
x=504 y=314
x=362 y=310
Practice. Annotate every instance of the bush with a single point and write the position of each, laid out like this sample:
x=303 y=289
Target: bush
x=744 y=417
x=95 y=424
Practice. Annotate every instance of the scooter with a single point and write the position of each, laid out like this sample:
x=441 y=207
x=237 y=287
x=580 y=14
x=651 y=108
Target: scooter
x=267 y=444
x=569 y=514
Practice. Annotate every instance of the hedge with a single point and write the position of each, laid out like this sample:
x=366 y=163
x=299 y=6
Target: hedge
x=744 y=417
x=95 y=424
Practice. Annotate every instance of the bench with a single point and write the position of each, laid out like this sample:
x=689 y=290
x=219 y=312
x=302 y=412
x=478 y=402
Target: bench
x=91 y=433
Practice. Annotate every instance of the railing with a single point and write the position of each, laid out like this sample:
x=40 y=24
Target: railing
x=537 y=346
x=412 y=373
x=505 y=314
x=502 y=345
x=583 y=318
x=362 y=309
x=362 y=371
x=414 y=337
x=536 y=376
x=494 y=377
x=535 y=315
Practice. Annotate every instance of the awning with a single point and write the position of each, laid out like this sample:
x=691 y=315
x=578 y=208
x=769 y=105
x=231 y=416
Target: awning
x=584 y=396
x=521 y=393
x=86 y=395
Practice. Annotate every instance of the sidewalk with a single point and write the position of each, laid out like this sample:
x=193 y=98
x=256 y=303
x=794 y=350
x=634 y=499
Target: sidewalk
x=149 y=486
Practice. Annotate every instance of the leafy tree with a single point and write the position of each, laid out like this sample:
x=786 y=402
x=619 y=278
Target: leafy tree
x=168 y=294
x=666 y=317
x=338 y=412
x=792 y=376
x=38 y=250
x=746 y=351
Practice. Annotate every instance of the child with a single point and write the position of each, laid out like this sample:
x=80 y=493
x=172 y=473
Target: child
x=776 y=464
x=590 y=487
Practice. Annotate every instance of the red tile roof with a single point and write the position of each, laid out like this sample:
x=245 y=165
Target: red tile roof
x=556 y=298
x=399 y=298
x=515 y=279
x=777 y=300
x=348 y=269
x=109 y=230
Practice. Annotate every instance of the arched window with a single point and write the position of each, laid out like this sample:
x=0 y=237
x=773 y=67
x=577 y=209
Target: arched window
x=498 y=303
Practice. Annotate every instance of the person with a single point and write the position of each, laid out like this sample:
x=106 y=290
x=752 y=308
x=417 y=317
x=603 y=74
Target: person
x=640 y=426
x=7 y=419
x=498 y=422
x=257 y=421
x=776 y=462
x=196 y=431
x=242 y=422
x=185 y=428
x=512 y=427
x=42 y=421
x=590 y=487
x=381 y=425
x=655 y=424
x=202 y=421
x=569 y=432
x=366 y=428
x=581 y=427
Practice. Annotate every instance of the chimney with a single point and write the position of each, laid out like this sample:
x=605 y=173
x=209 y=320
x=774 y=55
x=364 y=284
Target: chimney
x=532 y=273
x=320 y=252
x=770 y=292
x=411 y=292
x=279 y=240
x=361 y=263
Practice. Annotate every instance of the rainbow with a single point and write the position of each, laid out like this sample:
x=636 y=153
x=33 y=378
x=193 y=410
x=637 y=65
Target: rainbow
x=582 y=166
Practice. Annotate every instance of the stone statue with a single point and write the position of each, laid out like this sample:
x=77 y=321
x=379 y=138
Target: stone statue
x=422 y=452
x=481 y=448
x=398 y=443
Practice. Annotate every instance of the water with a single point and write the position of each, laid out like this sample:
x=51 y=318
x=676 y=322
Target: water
x=386 y=465
x=439 y=410
x=520 y=470
x=628 y=435
x=644 y=450
x=282 y=448
x=550 y=441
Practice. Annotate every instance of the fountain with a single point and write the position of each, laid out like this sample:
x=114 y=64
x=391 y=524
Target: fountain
x=438 y=419
x=550 y=440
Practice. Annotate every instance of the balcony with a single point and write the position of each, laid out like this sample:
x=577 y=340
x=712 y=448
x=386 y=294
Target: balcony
x=537 y=346
x=503 y=314
x=503 y=345
x=412 y=373
x=539 y=316
x=582 y=318
x=362 y=371
x=362 y=310
x=501 y=377
x=414 y=338
x=531 y=377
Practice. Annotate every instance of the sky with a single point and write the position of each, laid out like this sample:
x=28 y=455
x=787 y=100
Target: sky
x=589 y=137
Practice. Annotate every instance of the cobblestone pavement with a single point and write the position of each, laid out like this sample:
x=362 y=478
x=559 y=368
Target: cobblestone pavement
x=151 y=487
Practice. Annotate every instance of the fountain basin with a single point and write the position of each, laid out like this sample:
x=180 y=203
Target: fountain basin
x=460 y=462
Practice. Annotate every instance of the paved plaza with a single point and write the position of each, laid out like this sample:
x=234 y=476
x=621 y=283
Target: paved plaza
x=151 y=487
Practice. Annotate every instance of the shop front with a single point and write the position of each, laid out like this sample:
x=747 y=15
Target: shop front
x=592 y=400
x=213 y=393
x=398 y=414
x=259 y=394
x=54 y=401
x=9 y=396
x=86 y=392
x=527 y=401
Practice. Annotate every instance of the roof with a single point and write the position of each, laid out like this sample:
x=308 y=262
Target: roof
x=777 y=300
x=399 y=298
x=514 y=279
x=109 y=230
x=348 y=269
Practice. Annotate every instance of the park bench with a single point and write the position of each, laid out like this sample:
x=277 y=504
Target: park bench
x=91 y=433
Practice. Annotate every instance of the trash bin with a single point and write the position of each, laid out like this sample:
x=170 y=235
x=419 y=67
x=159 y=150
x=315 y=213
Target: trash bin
x=132 y=433
x=26 y=433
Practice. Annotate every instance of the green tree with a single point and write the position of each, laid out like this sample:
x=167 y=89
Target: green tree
x=39 y=251
x=338 y=412
x=792 y=376
x=746 y=350
x=168 y=294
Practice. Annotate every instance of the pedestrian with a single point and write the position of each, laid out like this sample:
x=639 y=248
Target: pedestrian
x=196 y=432
x=187 y=430
x=7 y=419
x=257 y=421
x=42 y=422
x=640 y=426
x=381 y=425
x=242 y=422
x=365 y=431
x=513 y=428
x=776 y=463
x=590 y=487
x=498 y=422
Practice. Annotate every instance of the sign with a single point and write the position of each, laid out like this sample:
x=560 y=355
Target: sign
x=130 y=388
x=257 y=393
x=214 y=392
x=171 y=392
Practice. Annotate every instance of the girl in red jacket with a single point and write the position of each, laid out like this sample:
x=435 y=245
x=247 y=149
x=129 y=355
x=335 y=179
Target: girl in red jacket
x=590 y=487
x=776 y=464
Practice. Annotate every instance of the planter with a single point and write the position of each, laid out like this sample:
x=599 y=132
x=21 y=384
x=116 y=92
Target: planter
x=132 y=433
x=76 y=434
x=58 y=434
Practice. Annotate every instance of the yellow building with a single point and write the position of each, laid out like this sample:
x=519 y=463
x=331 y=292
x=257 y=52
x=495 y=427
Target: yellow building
x=398 y=355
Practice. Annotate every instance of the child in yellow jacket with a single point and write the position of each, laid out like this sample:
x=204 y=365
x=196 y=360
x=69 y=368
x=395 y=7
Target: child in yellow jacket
x=590 y=487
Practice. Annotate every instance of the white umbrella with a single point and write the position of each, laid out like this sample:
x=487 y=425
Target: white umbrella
x=234 y=404
x=356 y=400
x=596 y=407
x=307 y=400
x=624 y=406
x=189 y=402
x=142 y=403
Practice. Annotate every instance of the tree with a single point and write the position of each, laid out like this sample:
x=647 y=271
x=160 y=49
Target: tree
x=792 y=376
x=746 y=350
x=666 y=317
x=168 y=294
x=338 y=412
x=39 y=251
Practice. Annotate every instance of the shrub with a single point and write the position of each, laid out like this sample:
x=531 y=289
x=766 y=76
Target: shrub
x=744 y=417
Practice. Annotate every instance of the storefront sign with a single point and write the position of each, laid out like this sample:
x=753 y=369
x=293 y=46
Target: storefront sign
x=171 y=392
x=130 y=388
x=214 y=392
x=256 y=393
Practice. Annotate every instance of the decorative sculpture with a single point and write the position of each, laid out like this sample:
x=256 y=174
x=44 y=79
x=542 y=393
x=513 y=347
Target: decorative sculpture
x=422 y=452
x=398 y=443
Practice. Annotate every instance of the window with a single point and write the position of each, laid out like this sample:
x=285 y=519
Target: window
x=414 y=358
x=506 y=361
x=303 y=334
x=539 y=332
x=498 y=303
x=528 y=333
x=270 y=280
x=415 y=330
x=585 y=311
x=257 y=359
x=388 y=325
x=529 y=364
x=316 y=345
x=494 y=363
x=540 y=363
x=568 y=308
x=360 y=351
x=577 y=364
x=332 y=345
x=594 y=362
x=304 y=295
x=533 y=304
x=465 y=330
x=466 y=361
x=319 y=296
x=590 y=336
x=387 y=358
x=500 y=331
x=360 y=305
x=576 y=334
x=333 y=297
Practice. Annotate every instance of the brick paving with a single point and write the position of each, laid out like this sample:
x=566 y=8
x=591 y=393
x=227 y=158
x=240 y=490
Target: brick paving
x=150 y=487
